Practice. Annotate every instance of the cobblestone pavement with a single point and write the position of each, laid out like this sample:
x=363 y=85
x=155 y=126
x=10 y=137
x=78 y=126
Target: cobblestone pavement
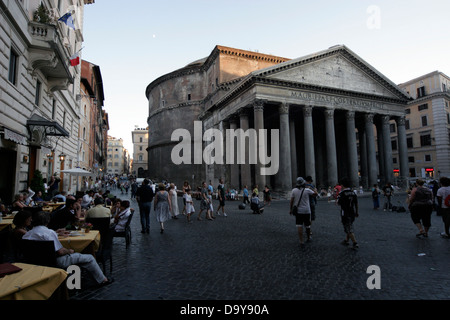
x=257 y=257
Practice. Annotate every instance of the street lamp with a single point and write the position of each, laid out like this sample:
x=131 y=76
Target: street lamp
x=62 y=157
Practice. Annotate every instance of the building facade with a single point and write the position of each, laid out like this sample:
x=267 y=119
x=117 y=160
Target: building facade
x=118 y=158
x=39 y=113
x=307 y=114
x=94 y=124
x=427 y=125
x=140 y=155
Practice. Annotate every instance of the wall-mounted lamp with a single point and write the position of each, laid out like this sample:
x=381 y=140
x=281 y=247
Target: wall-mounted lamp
x=62 y=157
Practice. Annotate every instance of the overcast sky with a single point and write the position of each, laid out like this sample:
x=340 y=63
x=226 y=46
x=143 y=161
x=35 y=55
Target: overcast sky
x=134 y=42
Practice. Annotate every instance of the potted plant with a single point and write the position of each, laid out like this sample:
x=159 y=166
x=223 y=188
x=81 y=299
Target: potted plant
x=87 y=227
x=42 y=15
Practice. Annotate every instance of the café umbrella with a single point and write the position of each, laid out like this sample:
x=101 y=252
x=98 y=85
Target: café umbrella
x=78 y=172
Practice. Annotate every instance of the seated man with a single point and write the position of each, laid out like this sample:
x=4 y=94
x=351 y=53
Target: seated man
x=61 y=197
x=87 y=199
x=64 y=257
x=67 y=216
x=99 y=211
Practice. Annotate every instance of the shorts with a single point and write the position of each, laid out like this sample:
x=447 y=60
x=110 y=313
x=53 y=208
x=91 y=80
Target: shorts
x=222 y=203
x=347 y=222
x=421 y=214
x=303 y=219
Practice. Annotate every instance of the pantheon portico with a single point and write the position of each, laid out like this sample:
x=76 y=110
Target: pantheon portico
x=332 y=111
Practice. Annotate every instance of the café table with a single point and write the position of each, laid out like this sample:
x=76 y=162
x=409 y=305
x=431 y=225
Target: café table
x=52 y=206
x=6 y=222
x=31 y=283
x=81 y=241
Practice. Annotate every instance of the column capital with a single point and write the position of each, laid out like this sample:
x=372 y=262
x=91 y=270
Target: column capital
x=385 y=119
x=258 y=104
x=283 y=108
x=243 y=112
x=350 y=115
x=329 y=113
x=307 y=111
x=401 y=121
x=368 y=117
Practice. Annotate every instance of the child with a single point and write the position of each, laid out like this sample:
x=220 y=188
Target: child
x=210 y=206
x=189 y=205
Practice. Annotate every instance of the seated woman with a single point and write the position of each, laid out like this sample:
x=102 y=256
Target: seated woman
x=121 y=217
x=255 y=205
x=19 y=202
x=66 y=217
x=22 y=223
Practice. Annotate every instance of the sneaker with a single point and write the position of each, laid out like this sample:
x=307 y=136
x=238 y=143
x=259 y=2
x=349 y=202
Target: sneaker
x=444 y=235
x=224 y=214
x=355 y=245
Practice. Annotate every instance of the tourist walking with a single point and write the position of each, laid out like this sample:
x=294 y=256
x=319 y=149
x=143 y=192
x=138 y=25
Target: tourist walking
x=163 y=205
x=186 y=186
x=348 y=201
x=421 y=206
x=299 y=207
x=376 y=197
x=443 y=199
x=203 y=201
x=267 y=196
x=189 y=204
x=144 y=197
x=245 y=195
x=221 y=194
x=174 y=198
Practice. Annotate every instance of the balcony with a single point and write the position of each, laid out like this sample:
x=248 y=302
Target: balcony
x=48 y=55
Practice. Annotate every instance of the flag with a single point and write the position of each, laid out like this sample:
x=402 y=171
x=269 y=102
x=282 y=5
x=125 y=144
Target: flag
x=75 y=60
x=68 y=20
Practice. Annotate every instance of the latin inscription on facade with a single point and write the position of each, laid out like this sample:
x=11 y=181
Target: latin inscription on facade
x=335 y=101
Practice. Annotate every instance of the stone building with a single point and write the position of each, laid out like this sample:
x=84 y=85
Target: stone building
x=39 y=113
x=428 y=126
x=118 y=157
x=140 y=155
x=313 y=109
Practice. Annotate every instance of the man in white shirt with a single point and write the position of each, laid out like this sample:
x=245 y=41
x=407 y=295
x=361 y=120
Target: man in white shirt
x=300 y=198
x=87 y=200
x=64 y=257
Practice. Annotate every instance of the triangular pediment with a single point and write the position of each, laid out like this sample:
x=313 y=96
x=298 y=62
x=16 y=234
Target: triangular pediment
x=337 y=68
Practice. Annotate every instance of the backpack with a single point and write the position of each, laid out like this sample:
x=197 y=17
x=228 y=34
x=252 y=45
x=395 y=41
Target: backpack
x=375 y=193
x=447 y=201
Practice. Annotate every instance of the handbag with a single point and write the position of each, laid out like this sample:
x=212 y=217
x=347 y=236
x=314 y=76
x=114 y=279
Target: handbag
x=295 y=208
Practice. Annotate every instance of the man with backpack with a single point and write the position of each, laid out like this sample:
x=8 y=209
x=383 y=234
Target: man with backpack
x=443 y=199
x=348 y=200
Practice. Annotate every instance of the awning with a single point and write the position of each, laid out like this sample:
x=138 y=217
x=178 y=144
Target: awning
x=47 y=127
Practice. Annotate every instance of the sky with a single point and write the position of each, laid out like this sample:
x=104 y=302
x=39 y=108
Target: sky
x=135 y=42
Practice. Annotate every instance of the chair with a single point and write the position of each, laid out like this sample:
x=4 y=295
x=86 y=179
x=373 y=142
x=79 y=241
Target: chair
x=103 y=254
x=41 y=253
x=127 y=233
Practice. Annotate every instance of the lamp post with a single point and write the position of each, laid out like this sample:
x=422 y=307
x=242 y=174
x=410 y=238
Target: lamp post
x=62 y=158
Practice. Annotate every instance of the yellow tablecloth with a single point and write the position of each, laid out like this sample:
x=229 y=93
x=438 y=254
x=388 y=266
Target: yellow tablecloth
x=82 y=241
x=5 y=222
x=31 y=283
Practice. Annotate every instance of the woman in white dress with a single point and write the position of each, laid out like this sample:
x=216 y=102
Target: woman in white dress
x=163 y=205
x=174 y=199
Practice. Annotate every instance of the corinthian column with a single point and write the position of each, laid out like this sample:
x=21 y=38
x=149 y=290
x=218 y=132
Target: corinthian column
x=371 y=154
x=387 y=149
x=245 y=167
x=284 y=174
x=310 y=161
x=331 y=147
x=258 y=110
x=352 y=149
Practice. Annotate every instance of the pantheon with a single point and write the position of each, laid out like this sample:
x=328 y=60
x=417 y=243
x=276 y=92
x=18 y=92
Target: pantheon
x=332 y=111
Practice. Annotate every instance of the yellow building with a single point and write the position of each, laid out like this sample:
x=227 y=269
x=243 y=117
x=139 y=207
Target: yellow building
x=427 y=125
x=140 y=155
